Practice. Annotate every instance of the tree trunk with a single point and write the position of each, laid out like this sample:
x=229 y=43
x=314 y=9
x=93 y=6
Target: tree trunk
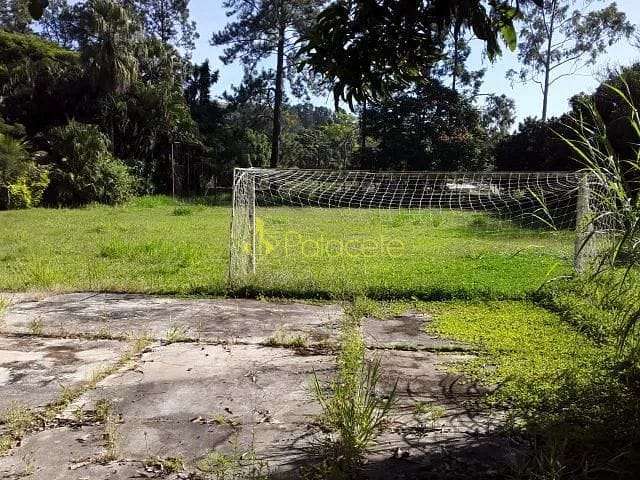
x=277 y=103
x=547 y=66
x=456 y=55
x=363 y=134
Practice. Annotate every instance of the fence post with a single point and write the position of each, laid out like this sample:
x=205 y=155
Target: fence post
x=585 y=236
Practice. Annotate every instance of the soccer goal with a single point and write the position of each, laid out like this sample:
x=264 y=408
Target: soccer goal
x=495 y=203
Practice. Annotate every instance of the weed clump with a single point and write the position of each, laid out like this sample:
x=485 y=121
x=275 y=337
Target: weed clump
x=352 y=407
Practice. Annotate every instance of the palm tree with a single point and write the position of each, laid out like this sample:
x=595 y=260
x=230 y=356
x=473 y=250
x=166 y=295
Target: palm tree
x=108 y=51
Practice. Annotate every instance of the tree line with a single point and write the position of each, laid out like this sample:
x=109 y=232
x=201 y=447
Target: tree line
x=101 y=100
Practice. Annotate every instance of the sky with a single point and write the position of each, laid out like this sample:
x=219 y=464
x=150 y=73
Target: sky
x=210 y=16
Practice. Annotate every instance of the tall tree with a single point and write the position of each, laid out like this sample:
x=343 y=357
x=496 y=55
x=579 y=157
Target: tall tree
x=428 y=128
x=457 y=48
x=198 y=84
x=499 y=115
x=109 y=52
x=167 y=20
x=261 y=30
x=562 y=38
x=62 y=23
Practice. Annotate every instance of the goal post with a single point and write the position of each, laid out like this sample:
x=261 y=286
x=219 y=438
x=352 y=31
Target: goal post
x=242 y=245
x=551 y=200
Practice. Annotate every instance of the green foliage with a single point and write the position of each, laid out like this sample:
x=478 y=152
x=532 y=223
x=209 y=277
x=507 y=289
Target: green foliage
x=25 y=181
x=84 y=170
x=329 y=146
x=535 y=147
x=15 y=16
x=14 y=159
x=614 y=228
x=367 y=53
x=238 y=464
x=429 y=128
x=108 y=51
x=39 y=81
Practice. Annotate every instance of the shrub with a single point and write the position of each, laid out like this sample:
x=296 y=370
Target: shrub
x=84 y=169
x=20 y=177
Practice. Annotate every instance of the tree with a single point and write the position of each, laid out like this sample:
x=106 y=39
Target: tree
x=262 y=29
x=15 y=16
x=109 y=51
x=557 y=41
x=61 y=23
x=499 y=115
x=41 y=84
x=535 y=147
x=368 y=49
x=167 y=20
x=198 y=84
x=457 y=49
x=428 y=128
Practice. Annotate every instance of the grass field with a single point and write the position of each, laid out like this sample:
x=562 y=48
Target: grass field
x=154 y=245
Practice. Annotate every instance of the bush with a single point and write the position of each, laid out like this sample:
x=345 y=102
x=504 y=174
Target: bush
x=22 y=181
x=84 y=169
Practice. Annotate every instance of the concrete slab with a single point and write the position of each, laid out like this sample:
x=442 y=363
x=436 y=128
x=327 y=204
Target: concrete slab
x=34 y=370
x=66 y=454
x=186 y=399
x=227 y=320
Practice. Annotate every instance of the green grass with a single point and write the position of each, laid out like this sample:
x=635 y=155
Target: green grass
x=561 y=387
x=156 y=245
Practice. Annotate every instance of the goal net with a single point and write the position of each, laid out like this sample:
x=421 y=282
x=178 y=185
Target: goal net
x=497 y=201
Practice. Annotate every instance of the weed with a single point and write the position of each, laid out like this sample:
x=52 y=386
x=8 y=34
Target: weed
x=167 y=464
x=19 y=420
x=103 y=410
x=6 y=443
x=236 y=465
x=220 y=419
x=104 y=333
x=281 y=339
x=79 y=414
x=36 y=327
x=425 y=411
x=351 y=405
x=182 y=211
x=111 y=437
x=176 y=334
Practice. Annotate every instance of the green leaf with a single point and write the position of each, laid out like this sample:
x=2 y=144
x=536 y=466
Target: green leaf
x=508 y=34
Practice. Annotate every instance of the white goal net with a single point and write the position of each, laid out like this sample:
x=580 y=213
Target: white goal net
x=530 y=200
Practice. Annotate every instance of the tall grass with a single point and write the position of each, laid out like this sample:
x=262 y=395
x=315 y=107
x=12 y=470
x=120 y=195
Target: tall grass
x=615 y=223
x=352 y=405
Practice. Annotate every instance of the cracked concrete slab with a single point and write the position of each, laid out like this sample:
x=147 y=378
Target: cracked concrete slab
x=34 y=370
x=225 y=320
x=185 y=399
x=66 y=453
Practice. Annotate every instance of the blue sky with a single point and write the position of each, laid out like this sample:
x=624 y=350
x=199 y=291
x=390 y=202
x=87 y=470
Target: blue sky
x=210 y=17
